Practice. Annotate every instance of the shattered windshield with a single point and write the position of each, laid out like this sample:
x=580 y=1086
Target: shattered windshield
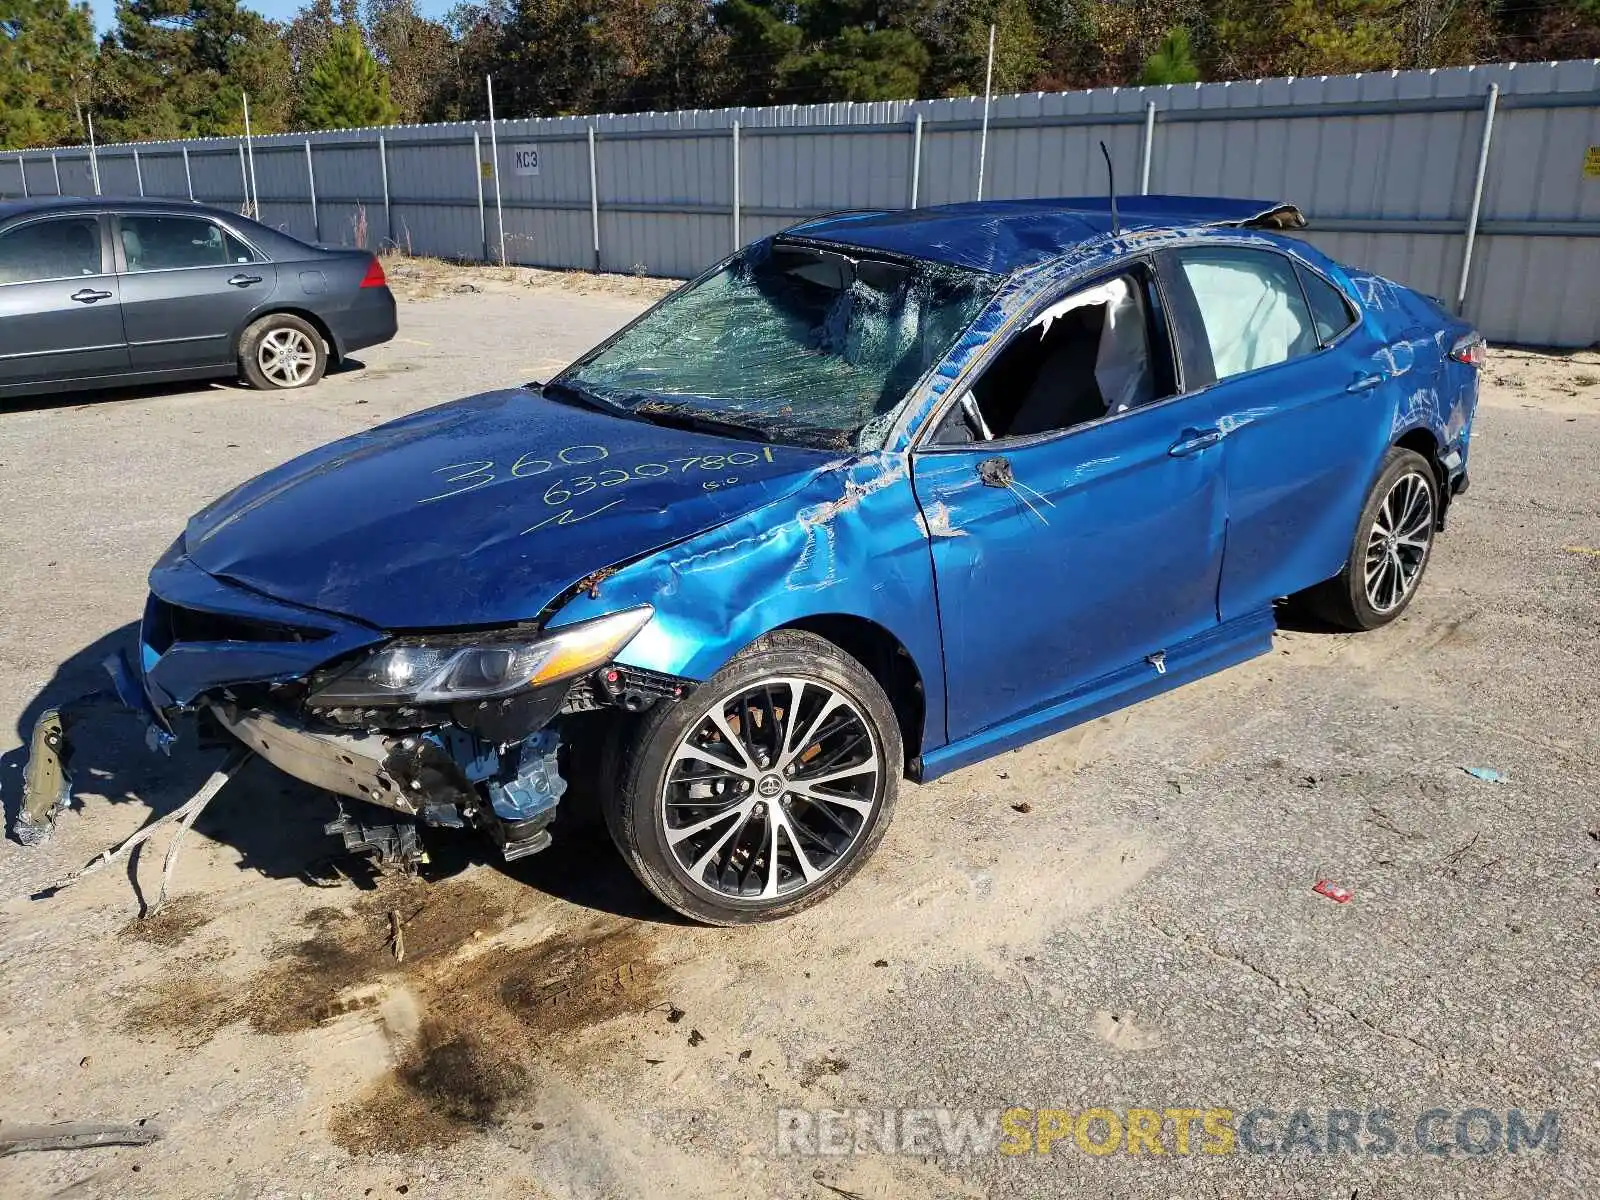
x=789 y=343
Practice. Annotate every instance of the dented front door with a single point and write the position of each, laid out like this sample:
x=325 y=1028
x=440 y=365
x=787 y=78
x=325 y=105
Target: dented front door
x=1061 y=559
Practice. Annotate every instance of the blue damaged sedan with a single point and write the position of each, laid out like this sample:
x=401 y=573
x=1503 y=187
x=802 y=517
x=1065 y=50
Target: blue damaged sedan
x=877 y=497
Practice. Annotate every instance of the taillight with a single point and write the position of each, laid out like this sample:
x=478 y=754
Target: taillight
x=1471 y=349
x=374 y=276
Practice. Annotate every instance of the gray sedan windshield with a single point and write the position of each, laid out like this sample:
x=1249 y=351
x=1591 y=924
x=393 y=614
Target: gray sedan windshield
x=796 y=343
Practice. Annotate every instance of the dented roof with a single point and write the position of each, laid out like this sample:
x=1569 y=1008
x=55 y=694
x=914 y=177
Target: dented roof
x=1002 y=236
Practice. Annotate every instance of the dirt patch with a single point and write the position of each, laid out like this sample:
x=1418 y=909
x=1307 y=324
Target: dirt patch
x=173 y=924
x=311 y=981
x=190 y=1003
x=453 y=1083
x=817 y=1068
x=341 y=965
x=492 y=1013
x=496 y=1020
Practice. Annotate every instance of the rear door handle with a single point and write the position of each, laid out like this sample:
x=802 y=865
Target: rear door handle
x=86 y=296
x=1195 y=440
x=1365 y=383
x=243 y=281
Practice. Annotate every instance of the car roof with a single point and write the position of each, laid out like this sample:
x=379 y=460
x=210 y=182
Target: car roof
x=17 y=208
x=1003 y=236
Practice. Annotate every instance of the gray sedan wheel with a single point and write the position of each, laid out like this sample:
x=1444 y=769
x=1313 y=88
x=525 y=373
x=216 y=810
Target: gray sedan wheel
x=281 y=352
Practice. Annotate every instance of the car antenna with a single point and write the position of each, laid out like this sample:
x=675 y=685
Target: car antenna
x=1111 y=182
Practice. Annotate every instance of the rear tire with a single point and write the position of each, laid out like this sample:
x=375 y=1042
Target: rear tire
x=763 y=791
x=282 y=352
x=1389 y=551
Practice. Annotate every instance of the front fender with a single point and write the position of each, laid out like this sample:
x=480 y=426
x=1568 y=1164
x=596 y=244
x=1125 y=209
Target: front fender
x=849 y=541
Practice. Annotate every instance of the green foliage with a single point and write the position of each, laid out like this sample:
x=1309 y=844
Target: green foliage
x=1173 y=61
x=857 y=64
x=46 y=54
x=346 y=88
x=178 y=68
x=175 y=68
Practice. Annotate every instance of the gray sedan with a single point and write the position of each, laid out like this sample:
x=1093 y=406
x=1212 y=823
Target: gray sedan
x=103 y=292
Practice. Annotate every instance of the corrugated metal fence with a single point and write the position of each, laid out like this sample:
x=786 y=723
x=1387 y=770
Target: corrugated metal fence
x=1391 y=169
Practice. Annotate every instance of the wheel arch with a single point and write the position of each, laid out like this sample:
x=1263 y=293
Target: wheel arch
x=887 y=660
x=335 y=353
x=1423 y=441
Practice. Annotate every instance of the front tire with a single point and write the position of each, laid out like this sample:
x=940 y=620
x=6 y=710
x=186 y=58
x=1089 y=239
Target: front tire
x=282 y=352
x=1390 y=550
x=765 y=790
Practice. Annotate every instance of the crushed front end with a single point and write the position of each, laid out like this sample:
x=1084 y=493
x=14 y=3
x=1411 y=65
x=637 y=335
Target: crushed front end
x=450 y=728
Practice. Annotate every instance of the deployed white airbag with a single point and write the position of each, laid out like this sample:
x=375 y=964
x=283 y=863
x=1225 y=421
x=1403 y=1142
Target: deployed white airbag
x=1251 y=319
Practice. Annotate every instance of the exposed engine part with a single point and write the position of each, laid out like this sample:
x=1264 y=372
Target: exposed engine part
x=392 y=844
x=447 y=776
x=526 y=803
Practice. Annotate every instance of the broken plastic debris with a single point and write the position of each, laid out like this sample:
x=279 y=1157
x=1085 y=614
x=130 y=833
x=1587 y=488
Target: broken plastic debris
x=74 y=1135
x=1487 y=774
x=1330 y=889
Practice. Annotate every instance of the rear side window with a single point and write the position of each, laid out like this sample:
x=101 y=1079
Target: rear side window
x=153 y=243
x=1330 y=311
x=60 y=248
x=1251 y=308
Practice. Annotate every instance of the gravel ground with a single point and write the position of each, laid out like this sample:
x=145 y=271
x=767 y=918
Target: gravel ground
x=1118 y=918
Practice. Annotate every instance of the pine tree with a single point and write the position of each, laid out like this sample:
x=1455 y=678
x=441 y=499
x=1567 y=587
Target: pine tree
x=1173 y=61
x=347 y=88
x=177 y=68
x=46 y=53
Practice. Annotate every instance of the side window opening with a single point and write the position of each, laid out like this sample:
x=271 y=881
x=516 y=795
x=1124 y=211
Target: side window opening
x=158 y=243
x=1097 y=352
x=1330 y=311
x=59 y=248
x=1252 y=311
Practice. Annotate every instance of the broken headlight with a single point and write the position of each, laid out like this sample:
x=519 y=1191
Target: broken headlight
x=448 y=668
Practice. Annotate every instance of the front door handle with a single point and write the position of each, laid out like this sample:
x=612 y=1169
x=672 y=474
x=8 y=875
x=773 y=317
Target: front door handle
x=86 y=296
x=1195 y=440
x=243 y=281
x=1365 y=383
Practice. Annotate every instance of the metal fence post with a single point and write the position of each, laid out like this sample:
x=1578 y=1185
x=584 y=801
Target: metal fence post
x=311 y=183
x=477 y=171
x=494 y=151
x=244 y=179
x=1149 y=147
x=737 y=240
x=138 y=172
x=594 y=199
x=250 y=152
x=188 y=179
x=916 y=159
x=983 y=138
x=22 y=166
x=94 y=157
x=383 y=169
x=1477 y=193
x=55 y=168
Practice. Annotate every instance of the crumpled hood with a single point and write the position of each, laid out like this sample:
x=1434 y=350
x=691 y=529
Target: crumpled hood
x=482 y=511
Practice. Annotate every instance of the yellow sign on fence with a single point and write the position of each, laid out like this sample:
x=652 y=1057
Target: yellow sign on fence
x=1591 y=162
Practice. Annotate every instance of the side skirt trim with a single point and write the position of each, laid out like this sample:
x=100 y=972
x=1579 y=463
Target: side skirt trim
x=1216 y=649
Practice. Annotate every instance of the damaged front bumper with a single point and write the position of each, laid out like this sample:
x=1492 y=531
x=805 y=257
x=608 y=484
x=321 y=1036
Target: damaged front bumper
x=242 y=662
x=444 y=776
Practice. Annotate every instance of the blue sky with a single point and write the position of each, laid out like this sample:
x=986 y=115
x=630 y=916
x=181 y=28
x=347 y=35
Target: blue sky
x=105 y=11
